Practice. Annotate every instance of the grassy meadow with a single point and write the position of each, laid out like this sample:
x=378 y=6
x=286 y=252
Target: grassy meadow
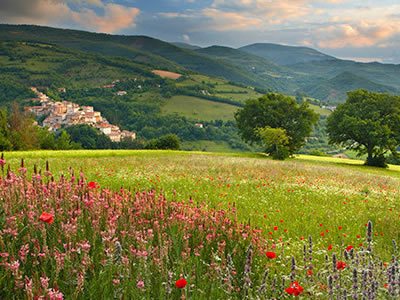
x=199 y=109
x=217 y=205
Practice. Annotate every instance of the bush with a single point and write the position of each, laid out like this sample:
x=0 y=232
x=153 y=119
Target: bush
x=169 y=141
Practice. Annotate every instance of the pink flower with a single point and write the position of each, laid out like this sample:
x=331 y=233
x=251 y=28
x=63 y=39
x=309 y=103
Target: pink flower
x=140 y=284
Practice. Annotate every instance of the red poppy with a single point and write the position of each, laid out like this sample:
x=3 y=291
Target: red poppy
x=294 y=288
x=92 y=185
x=46 y=217
x=181 y=283
x=349 y=248
x=270 y=254
x=330 y=247
x=341 y=265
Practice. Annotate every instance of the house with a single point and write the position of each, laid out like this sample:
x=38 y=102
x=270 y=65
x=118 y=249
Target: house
x=199 y=125
x=115 y=137
x=108 y=86
x=125 y=134
x=63 y=90
x=121 y=93
x=105 y=128
x=115 y=81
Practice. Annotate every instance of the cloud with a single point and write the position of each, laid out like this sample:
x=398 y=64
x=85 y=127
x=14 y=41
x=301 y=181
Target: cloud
x=357 y=34
x=115 y=17
x=274 y=11
x=223 y=21
x=107 y=18
x=213 y=19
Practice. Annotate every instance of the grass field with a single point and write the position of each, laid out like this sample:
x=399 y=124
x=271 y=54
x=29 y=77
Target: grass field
x=199 y=109
x=276 y=205
x=208 y=146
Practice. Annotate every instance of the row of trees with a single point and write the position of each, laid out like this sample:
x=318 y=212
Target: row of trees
x=19 y=132
x=368 y=123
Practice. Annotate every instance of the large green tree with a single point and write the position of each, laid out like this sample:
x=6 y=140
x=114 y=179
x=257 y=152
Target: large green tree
x=368 y=123
x=276 y=111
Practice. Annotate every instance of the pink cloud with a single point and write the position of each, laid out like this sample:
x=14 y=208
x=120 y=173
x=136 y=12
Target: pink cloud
x=57 y=12
x=359 y=34
x=222 y=21
x=115 y=17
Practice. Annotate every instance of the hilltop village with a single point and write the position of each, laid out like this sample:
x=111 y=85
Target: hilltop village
x=66 y=113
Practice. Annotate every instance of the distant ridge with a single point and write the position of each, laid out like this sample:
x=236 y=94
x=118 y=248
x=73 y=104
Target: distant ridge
x=186 y=46
x=285 y=55
x=338 y=86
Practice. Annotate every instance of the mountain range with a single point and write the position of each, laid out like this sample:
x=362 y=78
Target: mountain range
x=273 y=67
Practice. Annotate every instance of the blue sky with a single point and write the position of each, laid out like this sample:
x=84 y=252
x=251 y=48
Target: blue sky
x=361 y=30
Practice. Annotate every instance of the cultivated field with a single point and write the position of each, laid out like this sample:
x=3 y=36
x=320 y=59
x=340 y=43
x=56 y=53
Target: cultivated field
x=130 y=224
x=167 y=74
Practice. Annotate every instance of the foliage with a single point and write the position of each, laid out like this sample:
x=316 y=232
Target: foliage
x=368 y=123
x=275 y=141
x=169 y=141
x=19 y=132
x=276 y=111
x=88 y=137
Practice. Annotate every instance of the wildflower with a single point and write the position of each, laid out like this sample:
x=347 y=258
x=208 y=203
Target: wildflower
x=270 y=254
x=349 y=247
x=92 y=185
x=330 y=247
x=46 y=217
x=181 y=283
x=294 y=288
x=341 y=265
x=140 y=284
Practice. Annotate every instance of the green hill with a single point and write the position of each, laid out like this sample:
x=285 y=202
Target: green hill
x=285 y=55
x=335 y=89
x=140 y=48
x=275 y=76
x=186 y=46
x=386 y=74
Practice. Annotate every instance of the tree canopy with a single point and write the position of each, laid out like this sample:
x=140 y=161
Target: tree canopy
x=276 y=111
x=368 y=123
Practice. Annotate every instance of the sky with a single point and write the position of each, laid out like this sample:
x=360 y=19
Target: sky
x=361 y=30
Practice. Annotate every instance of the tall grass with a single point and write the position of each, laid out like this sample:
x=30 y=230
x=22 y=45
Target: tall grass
x=131 y=225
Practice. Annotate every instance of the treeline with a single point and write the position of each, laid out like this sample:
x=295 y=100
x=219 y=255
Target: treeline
x=20 y=132
x=141 y=114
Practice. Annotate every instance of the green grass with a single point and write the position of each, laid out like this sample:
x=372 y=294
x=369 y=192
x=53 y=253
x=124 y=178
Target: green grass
x=199 y=109
x=320 y=111
x=329 y=199
x=208 y=146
